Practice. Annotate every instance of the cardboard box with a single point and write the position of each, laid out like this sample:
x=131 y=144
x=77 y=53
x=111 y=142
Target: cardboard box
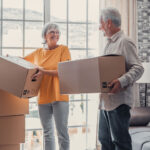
x=12 y=130
x=10 y=147
x=90 y=75
x=12 y=105
x=16 y=77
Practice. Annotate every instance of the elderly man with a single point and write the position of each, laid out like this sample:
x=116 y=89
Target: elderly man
x=115 y=107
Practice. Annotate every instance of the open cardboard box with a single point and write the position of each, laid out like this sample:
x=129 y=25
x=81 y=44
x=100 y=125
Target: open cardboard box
x=16 y=77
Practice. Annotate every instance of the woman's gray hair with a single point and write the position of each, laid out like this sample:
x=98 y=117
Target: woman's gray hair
x=112 y=14
x=47 y=27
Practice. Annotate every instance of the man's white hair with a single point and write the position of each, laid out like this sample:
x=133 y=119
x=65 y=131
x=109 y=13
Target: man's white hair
x=112 y=14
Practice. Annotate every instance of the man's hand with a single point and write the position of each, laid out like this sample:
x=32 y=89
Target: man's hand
x=115 y=86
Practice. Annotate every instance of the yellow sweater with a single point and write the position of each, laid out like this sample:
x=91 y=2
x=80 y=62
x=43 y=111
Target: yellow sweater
x=49 y=59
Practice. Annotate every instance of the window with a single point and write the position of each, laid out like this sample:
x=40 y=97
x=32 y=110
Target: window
x=21 y=25
x=78 y=21
x=20 y=33
x=21 y=22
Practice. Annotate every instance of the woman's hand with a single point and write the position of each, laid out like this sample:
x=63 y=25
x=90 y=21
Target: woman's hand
x=41 y=69
x=38 y=74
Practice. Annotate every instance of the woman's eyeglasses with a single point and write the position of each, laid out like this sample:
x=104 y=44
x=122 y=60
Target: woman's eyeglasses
x=53 y=32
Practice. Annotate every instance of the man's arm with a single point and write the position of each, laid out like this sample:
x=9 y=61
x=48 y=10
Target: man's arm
x=133 y=66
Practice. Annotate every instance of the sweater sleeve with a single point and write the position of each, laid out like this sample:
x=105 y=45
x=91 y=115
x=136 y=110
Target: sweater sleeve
x=134 y=67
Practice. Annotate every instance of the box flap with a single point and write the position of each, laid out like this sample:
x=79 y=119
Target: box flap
x=19 y=61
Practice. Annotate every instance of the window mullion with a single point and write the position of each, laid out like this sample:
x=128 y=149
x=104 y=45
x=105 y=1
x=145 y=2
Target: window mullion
x=23 y=28
x=1 y=39
x=46 y=11
x=67 y=25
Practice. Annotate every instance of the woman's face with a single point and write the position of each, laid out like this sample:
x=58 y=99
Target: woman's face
x=52 y=37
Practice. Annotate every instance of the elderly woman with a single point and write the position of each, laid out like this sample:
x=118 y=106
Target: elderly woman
x=51 y=103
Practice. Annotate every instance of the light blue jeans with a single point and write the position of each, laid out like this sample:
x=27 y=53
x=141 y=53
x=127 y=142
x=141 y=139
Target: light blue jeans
x=59 y=111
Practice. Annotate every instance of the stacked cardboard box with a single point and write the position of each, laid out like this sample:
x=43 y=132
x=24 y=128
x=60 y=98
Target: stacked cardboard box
x=10 y=147
x=16 y=85
x=12 y=120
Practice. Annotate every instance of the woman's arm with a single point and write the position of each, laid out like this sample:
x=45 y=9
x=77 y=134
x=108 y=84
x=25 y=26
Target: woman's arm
x=42 y=71
x=49 y=72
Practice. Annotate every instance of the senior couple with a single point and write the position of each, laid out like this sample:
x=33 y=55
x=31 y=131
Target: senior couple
x=114 y=108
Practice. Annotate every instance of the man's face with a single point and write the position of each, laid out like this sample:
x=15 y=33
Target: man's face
x=104 y=27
